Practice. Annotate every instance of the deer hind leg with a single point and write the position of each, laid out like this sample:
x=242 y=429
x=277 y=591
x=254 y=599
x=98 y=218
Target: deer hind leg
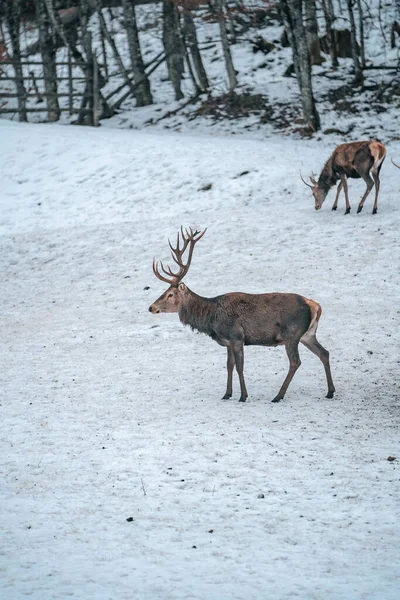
x=230 y=366
x=346 y=193
x=239 y=361
x=370 y=185
x=311 y=342
x=292 y=350
x=334 y=207
x=377 y=185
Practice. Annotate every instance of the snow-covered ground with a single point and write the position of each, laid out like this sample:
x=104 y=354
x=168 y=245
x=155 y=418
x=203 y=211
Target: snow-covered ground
x=124 y=474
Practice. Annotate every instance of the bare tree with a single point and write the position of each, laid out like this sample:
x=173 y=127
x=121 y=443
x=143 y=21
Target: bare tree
x=293 y=21
x=220 y=7
x=13 y=19
x=88 y=66
x=143 y=92
x=48 y=52
x=358 y=74
x=190 y=37
x=329 y=15
x=361 y=29
x=311 y=25
x=173 y=46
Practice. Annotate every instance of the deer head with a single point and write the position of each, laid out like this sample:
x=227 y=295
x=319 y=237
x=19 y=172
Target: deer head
x=171 y=300
x=318 y=193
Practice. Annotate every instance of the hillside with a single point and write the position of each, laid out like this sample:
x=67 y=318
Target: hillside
x=124 y=473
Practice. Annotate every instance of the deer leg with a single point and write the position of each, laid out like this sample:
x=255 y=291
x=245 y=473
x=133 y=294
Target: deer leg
x=230 y=366
x=346 y=193
x=314 y=346
x=377 y=185
x=292 y=351
x=334 y=207
x=239 y=361
x=370 y=185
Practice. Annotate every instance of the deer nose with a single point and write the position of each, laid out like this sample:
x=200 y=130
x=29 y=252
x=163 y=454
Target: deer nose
x=151 y=308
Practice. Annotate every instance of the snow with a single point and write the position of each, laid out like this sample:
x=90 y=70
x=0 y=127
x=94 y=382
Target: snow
x=110 y=413
x=358 y=113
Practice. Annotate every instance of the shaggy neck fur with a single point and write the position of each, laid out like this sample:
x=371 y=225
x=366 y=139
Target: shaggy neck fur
x=328 y=177
x=198 y=312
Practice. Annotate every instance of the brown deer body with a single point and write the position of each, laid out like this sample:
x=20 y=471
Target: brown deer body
x=237 y=319
x=355 y=160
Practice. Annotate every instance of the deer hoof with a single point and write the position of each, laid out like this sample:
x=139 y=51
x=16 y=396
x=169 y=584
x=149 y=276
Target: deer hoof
x=276 y=399
x=374 y=211
x=348 y=211
x=334 y=207
x=329 y=395
x=242 y=399
x=359 y=209
x=227 y=396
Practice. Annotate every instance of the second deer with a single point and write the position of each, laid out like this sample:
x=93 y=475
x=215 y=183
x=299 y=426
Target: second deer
x=355 y=160
x=236 y=320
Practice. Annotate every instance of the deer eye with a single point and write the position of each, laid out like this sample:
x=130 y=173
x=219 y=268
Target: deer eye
x=170 y=295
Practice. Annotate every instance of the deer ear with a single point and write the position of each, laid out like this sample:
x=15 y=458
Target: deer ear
x=182 y=287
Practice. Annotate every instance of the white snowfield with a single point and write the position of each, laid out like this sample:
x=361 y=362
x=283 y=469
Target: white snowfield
x=124 y=475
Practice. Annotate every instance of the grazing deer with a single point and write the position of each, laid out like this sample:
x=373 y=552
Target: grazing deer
x=355 y=160
x=236 y=320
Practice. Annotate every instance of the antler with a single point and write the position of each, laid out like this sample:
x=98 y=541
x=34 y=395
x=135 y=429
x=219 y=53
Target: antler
x=189 y=238
x=312 y=179
x=398 y=166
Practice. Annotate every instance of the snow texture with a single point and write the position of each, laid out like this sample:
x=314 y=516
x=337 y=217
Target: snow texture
x=358 y=113
x=124 y=474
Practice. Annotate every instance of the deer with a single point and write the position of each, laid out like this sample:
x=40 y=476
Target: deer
x=355 y=160
x=237 y=319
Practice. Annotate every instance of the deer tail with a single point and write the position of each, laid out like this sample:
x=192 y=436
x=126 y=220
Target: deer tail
x=316 y=312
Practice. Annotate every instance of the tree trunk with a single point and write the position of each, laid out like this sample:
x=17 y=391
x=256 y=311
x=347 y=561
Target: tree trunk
x=13 y=18
x=311 y=25
x=361 y=27
x=358 y=74
x=143 y=92
x=220 y=10
x=173 y=46
x=48 y=52
x=329 y=15
x=86 y=115
x=293 y=21
x=69 y=41
x=190 y=36
x=113 y=45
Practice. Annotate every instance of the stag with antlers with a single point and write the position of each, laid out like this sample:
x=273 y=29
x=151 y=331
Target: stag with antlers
x=355 y=160
x=237 y=319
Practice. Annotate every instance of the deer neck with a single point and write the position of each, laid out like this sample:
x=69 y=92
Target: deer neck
x=328 y=177
x=198 y=312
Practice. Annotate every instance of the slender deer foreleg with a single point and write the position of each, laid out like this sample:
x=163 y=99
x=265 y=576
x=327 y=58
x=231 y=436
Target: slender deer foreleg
x=370 y=185
x=340 y=186
x=292 y=350
x=346 y=193
x=377 y=186
x=314 y=346
x=230 y=366
x=239 y=361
